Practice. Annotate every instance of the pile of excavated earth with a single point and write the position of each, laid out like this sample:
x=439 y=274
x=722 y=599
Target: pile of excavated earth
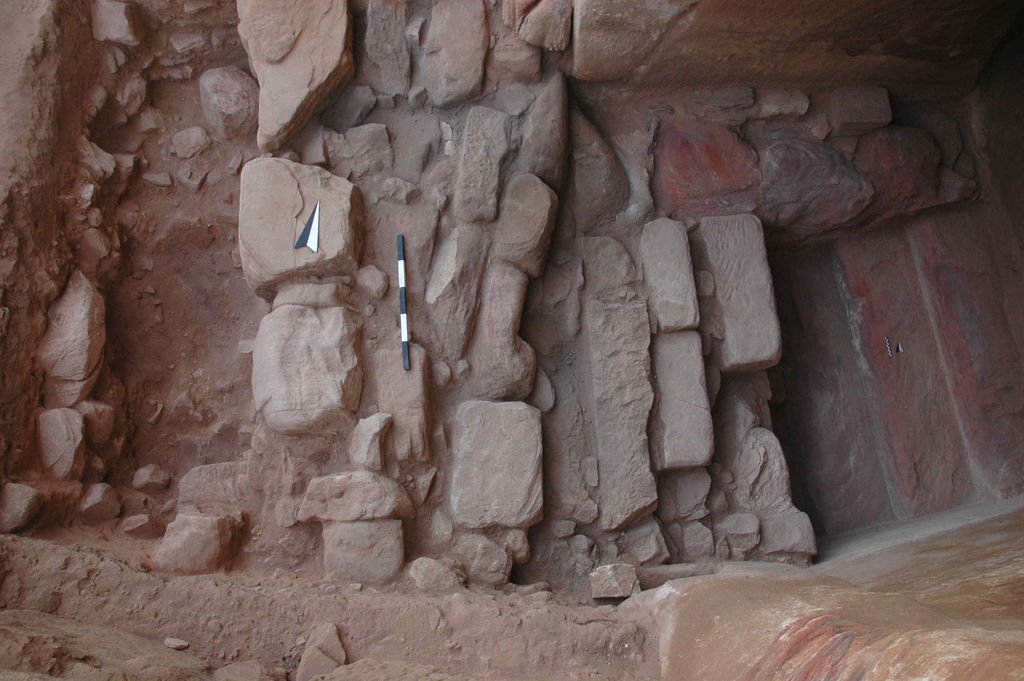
x=214 y=439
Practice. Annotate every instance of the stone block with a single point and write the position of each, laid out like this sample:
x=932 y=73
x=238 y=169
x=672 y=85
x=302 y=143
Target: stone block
x=229 y=98
x=680 y=428
x=742 y=310
x=61 y=443
x=614 y=581
x=453 y=291
x=300 y=52
x=364 y=449
x=485 y=562
x=19 y=505
x=682 y=494
x=367 y=551
x=357 y=495
x=483 y=147
x=668 y=275
x=523 y=231
x=197 y=543
x=503 y=364
x=859 y=109
x=276 y=199
x=496 y=470
x=454 y=51
x=306 y=373
x=72 y=347
x=789 y=532
x=406 y=396
x=619 y=337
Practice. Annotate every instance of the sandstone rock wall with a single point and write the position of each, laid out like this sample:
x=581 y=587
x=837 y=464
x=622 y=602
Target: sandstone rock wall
x=592 y=311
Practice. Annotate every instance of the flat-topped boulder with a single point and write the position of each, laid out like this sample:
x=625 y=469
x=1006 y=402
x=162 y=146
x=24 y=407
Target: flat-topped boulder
x=277 y=199
x=356 y=495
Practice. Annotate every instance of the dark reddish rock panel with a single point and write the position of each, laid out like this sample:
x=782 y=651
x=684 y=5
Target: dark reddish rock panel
x=704 y=169
x=973 y=329
x=827 y=421
x=927 y=461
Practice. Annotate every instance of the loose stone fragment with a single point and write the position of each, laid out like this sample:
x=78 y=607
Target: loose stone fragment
x=142 y=526
x=151 y=479
x=189 y=142
x=323 y=653
x=197 y=543
x=19 y=505
x=99 y=503
x=496 y=470
x=614 y=581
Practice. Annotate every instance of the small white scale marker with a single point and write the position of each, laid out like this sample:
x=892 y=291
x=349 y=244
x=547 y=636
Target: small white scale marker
x=310 y=237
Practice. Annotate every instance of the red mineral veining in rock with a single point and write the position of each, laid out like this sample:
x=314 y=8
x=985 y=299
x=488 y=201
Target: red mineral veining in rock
x=704 y=169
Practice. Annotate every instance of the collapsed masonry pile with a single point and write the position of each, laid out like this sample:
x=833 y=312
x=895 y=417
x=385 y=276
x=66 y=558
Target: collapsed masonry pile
x=591 y=306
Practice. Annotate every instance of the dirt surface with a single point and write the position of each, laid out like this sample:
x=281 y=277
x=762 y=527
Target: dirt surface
x=230 y=619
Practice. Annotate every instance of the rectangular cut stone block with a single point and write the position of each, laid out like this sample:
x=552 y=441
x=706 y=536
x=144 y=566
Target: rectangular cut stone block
x=496 y=471
x=276 y=199
x=742 y=309
x=859 y=109
x=668 y=274
x=365 y=551
x=484 y=145
x=306 y=374
x=680 y=428
x=619 y=337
